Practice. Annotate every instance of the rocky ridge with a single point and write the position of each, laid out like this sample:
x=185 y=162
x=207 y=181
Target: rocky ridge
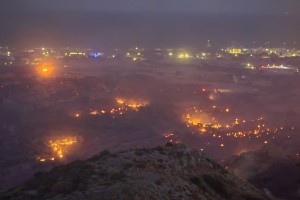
x=173 y=171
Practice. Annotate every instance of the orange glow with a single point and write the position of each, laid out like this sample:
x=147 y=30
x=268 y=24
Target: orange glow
x=193 y=121
x=202 y=120
x=94 y=112
x=59 y=148
x=198 y=118
x=120 y=101
x=202 y=130
x=236 y=122
x=171 y=137
x=45 y=70
x=123 y=106
x=133 y=104
x=217 y=126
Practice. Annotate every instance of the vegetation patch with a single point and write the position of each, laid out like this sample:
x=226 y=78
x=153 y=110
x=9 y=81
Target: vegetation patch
x=62 y=180
x=118 y=176
x=216 y=184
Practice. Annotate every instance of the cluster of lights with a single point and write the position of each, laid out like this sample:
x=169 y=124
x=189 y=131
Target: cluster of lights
x=135 y=54
x=123 y=105
x=207 y=125
x=275 y=67
x=183 y=56
x=59 y=148
x=250 y=66
x=194 y=116
x=132 y=104
x=75 y=54
x=171 y=137
x=112 y=111
x=280 y=67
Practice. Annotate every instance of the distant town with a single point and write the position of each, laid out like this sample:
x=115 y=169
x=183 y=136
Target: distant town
x=37 y=56
x=62 y=104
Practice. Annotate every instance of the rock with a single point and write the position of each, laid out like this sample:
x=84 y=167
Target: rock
x=178 y=173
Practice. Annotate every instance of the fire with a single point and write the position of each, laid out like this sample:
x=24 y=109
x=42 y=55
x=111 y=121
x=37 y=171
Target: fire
x=121 y=108
x=194 y=121
x=133 y=104
x=45 y=70
x=198 y=118
x=202 y=130
x=94 y=112
x=59 y=148
x=120 y=101
x=204 y=121
x=171 y=137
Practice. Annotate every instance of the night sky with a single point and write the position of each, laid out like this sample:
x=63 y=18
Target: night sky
x=179 y=23
x=195 y=6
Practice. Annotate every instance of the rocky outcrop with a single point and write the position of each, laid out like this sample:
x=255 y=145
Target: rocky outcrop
x=173 y=171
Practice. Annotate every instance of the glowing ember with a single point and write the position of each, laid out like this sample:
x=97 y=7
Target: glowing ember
x=198 y=118
x=60 y=148
x=121 y=108
x=171 y=137
x=120 y=101
x=94 y=112
x=45 y=70
x=133 y=104
x=203 y=120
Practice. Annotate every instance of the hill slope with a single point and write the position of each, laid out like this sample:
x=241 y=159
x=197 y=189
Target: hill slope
x=168 y=172
x=273 y=167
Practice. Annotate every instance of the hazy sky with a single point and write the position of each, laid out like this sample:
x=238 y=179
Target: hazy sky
x=207 y=6
x=158 y=23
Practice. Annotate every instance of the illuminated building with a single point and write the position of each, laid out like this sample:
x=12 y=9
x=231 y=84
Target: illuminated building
x=235 y=51
x=76 y=54
x=183 y=56
x=95 y=54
